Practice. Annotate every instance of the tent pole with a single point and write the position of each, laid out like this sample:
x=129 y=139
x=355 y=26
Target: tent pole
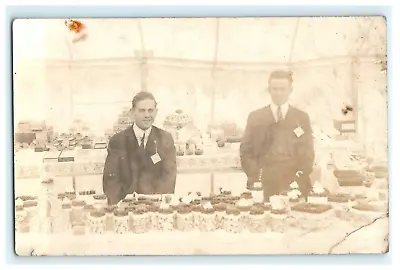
x=355 y=64
x=213 y=71
x=71 y=80
x=296 y=28
x=143 y=56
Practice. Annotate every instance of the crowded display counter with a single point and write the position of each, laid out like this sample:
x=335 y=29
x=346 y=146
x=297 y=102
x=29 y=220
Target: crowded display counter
x=82 y=224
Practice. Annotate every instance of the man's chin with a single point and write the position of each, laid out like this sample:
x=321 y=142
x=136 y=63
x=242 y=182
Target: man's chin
x=145 y=125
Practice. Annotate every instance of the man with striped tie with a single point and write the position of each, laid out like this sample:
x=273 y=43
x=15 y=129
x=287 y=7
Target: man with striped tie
x=277 y=147
x=141 y=158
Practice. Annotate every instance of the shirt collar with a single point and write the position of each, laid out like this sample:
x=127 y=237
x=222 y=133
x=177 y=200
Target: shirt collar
x=284 y=108
x=139 y=132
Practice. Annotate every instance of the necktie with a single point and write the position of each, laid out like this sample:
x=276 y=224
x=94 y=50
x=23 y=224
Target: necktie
x=279 y=114
x=142 y=141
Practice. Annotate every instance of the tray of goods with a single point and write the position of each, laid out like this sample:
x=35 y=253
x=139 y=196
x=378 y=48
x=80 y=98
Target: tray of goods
x=346 y=173
x=311 y=208
x=351 y=181
x=364 y=206
x=27 y=198
x=339 y=198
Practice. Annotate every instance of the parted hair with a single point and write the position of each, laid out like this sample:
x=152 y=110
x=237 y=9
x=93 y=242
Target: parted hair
x=281 y=74
x=142 y=96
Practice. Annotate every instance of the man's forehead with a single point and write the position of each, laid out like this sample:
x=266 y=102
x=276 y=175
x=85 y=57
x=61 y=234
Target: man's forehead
x=279 y=82
x=146 y=104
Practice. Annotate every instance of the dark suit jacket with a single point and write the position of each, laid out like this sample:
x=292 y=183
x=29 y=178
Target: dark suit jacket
x=257 y=140
x=130 y=169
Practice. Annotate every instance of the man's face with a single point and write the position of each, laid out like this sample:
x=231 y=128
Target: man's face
x=144 y=113
x=280 y=90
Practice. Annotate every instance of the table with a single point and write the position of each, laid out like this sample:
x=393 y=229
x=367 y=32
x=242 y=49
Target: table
x=30 y=164
x=340 y=238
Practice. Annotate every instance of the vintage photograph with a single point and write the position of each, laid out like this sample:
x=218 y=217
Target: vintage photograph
x=200 y=136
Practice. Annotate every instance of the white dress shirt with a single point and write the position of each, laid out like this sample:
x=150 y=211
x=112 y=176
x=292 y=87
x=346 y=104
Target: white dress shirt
x=139 y=134
x=284 y=109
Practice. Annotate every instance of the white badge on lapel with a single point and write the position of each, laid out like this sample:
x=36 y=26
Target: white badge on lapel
x=298 y=131
x=156 y=158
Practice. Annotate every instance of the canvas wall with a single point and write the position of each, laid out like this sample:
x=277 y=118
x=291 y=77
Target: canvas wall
x=96 y=91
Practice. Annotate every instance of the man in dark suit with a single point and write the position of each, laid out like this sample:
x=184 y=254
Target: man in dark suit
x=277 y=147
x=142 y=158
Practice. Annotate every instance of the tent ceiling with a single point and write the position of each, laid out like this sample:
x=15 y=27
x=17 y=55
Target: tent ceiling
x=239 y=40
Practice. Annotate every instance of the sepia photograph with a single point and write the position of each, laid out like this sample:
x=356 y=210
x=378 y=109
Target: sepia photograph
x=200 y=136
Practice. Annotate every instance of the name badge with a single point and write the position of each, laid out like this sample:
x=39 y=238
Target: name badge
x=298 y=131
x=155 y=158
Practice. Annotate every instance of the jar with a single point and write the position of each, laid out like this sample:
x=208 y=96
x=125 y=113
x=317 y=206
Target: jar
x=257 y=221
x=20 y=219
x=257 y=192
x=220 y=214
x=79 y=228
x=61 y=196
x=77 y=210
x=70 y=197
x=153 y=218
x=131 y=209
x=87 y=209
x=184 y=219
x=121 y=221
x=100 y=200
x=190 y=149
x=32 y=215
x=244 y=216
x=196 y=212
x=278 y=219
x=109 y=217
x=125 y=203
x=65 y=220
x=140 y=221
x=97 y=221
x=166 y=221
x=207 y=220
x=246 y=195
x=232 y=221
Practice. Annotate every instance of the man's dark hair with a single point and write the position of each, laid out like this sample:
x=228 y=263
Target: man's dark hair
x=281 y=74
x=142 y=96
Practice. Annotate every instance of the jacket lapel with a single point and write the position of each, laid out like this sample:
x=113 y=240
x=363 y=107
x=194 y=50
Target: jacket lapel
x=291 y=116
x=151 y=142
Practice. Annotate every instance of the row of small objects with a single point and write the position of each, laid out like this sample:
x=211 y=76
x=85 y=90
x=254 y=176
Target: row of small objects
x=189 y=149
x=233 y=214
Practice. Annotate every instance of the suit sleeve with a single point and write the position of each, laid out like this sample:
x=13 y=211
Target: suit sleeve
x=306 y=152
x=248 y=158
x=112 y=183
x=169 y=167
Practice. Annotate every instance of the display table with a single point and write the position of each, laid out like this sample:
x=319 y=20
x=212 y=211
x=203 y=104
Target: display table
x=30 y=164
x=323 y=240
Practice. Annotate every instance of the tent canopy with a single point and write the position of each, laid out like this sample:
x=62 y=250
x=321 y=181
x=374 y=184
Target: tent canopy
x=274 y=40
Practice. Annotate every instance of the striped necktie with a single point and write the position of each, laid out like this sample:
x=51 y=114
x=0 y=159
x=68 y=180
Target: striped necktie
x=142 y=141
x=279 y=114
